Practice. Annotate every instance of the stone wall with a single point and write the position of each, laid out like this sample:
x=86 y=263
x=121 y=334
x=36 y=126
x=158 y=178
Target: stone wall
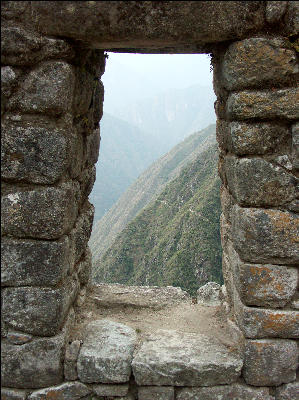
x=51 y=64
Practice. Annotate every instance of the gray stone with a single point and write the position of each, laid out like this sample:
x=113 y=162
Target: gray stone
x=256 y=182
x=185 y=359
x=13 y=9
x=66 y=391
x=235 y=391
x=111 y=390
x=84 y=268
x=106 y=353
x=267 y=285
x=280 y=103
x=43 y=213
x=87 y=180
x=18 y=338
x=270 y=362
x=209 y=294
x=93 y=147
x=295 y=145
x=33 y=153
x=258 y=61
x=33 y=365
x=156 y=393
x=13 y=394
x=255 y=138
x=265 y=235
x=70 y=360
x=46 y=89
x=81 y=233
x=39 y=311
x=284 y=161
x=33 y=263
x=275 y=11
x=288 y=391
x=8 y=80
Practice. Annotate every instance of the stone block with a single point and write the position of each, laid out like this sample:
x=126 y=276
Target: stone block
x=33 y=153
x=87 y=180
x=76 y=151
x=209 y=294
x=81 y=233
x=288 y=391
x=23 y=48
x=265 y=105
x=93 y=147
x=106 y=353
x=11 y=9
x=42 y=213
x=258 y=61
x=98 y=101
x=295 y=146
x=33 y=262
x=172 y=358
x=235 y=391
x=13 y=394
x=255 y=138
x=222 y=133
x=66 y=391
x=256 y=182
x=265 y=235
x=267 y=285
x=18 y=337
x=70 y=360
x=9 y=77
x=111 y=390
x=39 y=311
x=84 y=268
x=270 y=362
x=84 y=90
x=275 y=11
x=156 y=393
x=32 y=365
x=47 y=89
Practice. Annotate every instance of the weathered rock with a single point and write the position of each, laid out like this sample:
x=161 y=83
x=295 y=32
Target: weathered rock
x=33 y=153
x=185 y=359
x=267 y=285
x=70 y=360
x=34 y=263
x=270 y=362
x=138 y=296
x=87 y=180
x=258 y=183
x=93 y=147
x=18 y=338
x=40 y=311
x=265 y=105
x=81 y=233
x=84 y=267
x=288 y=391
x=267 y=236
x=111 y=390
x=44 y=213
x=275 y=11
x=8 y=80
x=258 y=61
x=235 y=391
x=46 y=89
x=66 y=391
x=12 y=9
x=33 y=365
x=12 y=394
x=255 y=138
x=156 y=393
x=106 y=353
x=209 y=294
x=295 y=145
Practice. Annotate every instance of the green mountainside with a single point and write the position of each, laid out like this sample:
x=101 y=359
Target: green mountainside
x=175 y=240
x=146 y=188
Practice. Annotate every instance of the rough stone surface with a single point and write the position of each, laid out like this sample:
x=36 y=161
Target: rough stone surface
x=156 y=393
x=295 y=146
x=224 y=392
x=66 y=391
x=185 y=359
x=40 y=311
x=34 y=263
x=33 y=154
x=265 y=104
x=70 y=360
x=32 y=365
x=258 y=183
x=12 y=394
x=84 y=267
x=44 y=213
x=106 y=353
x=267 y=285
x=209 y=294
x=270 y=362
x=111 y=390
x=47 y=89
x=255 y=138
x=18 y=338
x=8 y=81
x=265 y=235
x=258 y=61
x=288 y=391
x=275 y=11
